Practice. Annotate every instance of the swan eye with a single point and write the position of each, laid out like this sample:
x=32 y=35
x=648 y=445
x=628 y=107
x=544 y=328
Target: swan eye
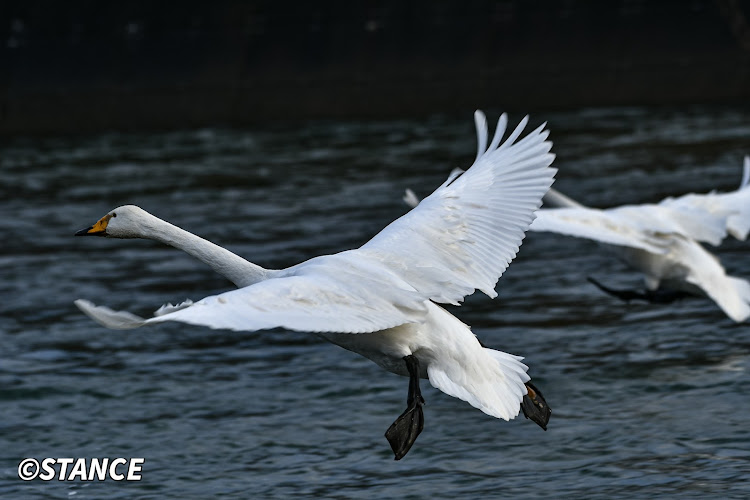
x=114 y=214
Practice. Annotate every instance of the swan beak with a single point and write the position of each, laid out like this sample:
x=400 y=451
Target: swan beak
x=98 y=229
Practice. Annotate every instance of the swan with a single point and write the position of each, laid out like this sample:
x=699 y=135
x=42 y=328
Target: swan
x=381 y=300
x=660 y=240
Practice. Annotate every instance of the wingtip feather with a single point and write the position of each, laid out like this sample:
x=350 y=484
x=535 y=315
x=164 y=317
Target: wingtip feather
x=117 y=320
x=480 y=121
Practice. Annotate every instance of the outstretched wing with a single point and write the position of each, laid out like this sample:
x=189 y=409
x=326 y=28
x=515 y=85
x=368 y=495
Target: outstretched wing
x=463 y=236
x=328 y=294
x=596 y=225
x=647 y=227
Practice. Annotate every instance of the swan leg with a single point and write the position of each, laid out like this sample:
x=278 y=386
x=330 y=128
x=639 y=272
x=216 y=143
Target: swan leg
x=404 y=431
x=658 y=296
x=535 y=407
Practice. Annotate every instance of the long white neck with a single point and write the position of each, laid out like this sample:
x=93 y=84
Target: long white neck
x=239 y=271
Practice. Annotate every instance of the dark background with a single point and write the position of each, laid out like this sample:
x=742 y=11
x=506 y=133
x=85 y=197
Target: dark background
x=286 y=130
x=91 y=66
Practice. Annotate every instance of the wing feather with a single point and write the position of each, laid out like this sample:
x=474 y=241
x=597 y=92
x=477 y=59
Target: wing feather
x=464 y=235
x=595 y=225
x=732 y=207
x=327 y=294
x=636 y=226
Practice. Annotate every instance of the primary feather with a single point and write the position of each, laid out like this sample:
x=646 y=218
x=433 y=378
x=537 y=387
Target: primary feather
x=463 y=236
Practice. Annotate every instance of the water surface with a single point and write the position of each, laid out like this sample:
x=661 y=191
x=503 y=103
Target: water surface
x=649 y=401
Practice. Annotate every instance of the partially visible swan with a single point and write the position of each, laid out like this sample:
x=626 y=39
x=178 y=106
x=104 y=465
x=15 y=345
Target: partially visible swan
x=380 y=299
x=737 y=203
x=661 y=241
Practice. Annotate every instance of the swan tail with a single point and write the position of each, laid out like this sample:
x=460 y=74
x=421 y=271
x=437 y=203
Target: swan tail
x=490 y=380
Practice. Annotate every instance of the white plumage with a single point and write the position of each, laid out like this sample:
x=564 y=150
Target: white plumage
x=378 y=300
x=736 y=203
x=662 y=240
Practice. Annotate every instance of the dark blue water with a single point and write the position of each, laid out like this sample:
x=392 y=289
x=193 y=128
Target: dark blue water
x=649 y=401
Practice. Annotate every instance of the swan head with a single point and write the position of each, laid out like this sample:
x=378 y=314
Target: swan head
x=126 y=221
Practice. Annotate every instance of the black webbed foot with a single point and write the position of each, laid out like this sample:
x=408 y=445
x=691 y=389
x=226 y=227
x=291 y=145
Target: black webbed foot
x=535 y=407
x=659 y=296
x=402 y=433
x=624 y=295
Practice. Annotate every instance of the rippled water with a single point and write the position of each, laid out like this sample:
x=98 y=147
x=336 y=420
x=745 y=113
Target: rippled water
x=649 y=400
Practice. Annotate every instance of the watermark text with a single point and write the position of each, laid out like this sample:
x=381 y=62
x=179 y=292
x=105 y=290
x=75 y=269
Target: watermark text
x=82 y=469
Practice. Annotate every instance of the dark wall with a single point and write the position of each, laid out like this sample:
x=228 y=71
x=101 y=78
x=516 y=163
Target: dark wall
x=94 y=65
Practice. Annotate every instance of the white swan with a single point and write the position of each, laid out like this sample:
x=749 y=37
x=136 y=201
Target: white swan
x=379 y=300
x=661 y=241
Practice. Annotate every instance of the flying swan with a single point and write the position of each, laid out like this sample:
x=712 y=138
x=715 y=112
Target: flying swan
x=381 y=300
x=660 y=240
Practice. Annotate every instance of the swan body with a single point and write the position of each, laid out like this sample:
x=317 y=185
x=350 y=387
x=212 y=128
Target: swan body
x=380 y=300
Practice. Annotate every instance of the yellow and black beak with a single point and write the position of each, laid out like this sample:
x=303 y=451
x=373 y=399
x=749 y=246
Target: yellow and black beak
x=98 y=229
